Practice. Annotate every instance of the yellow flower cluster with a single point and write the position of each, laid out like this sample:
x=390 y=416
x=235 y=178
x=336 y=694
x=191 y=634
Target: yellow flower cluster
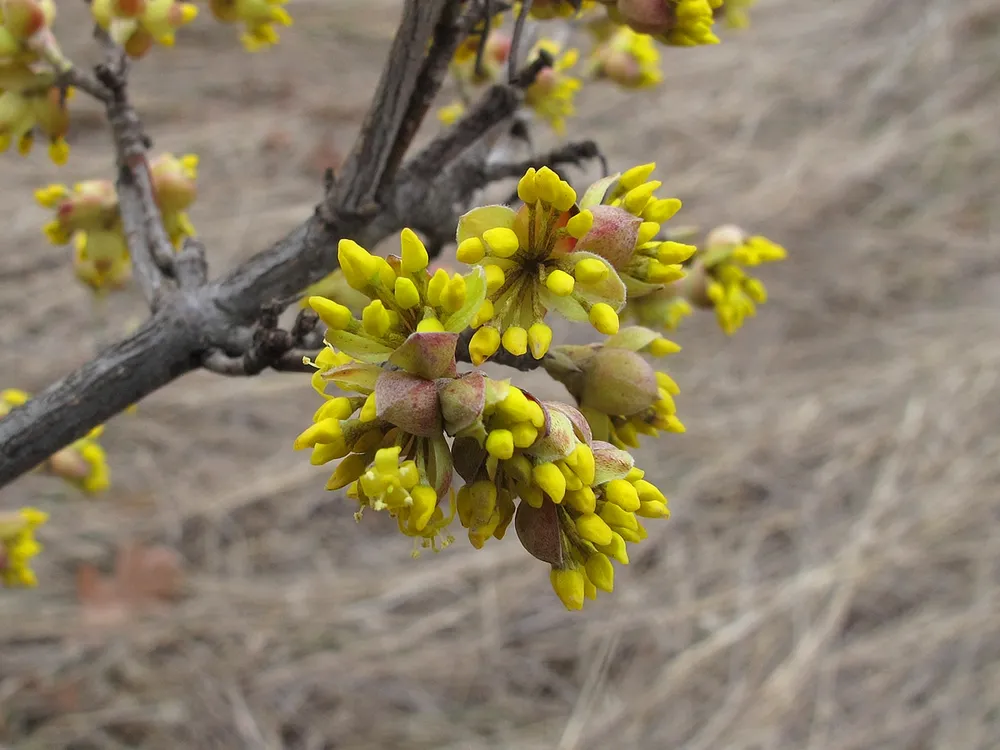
x=83 y=463
x=405 y=298
x=551 y=95
x=259 y=17
x=139 y=24
x=626 y=58
x=727 y=287
x=88 y=216
x=531 y=267
x=29 y=100
x=679 y=23
x=18 y=545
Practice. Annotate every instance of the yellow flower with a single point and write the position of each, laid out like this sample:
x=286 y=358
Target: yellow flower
x=18 y=546
x=405 y=299
x=450 y=113
x=720 y=281
x=681 y=23
x=138 y=26
x=627 y=58
x=531 y=267
x=43 y=109
x=259 y=18
x=664 y=308
x=551 y=95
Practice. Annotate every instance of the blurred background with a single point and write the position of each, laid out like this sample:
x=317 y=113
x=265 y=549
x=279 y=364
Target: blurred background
x=829 y=578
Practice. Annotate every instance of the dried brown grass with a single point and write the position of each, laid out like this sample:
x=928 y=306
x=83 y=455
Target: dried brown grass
x=829 y=579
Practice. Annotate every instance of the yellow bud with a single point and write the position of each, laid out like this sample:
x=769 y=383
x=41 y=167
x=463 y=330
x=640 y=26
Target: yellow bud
x=368 y=411
x=532 y=495
x=424 y=503
x=535 y=415
x=414 y=254
x=601 y=572
x=560 y=283
x=583 y=500
x=653 y=509
x=539 y=339
x=516 y=407
x=470 y=250
x=347 y=471
x=637 y=198
x=335 y=408
x=550 y=479
x=453 y=296
x=667 y=383
x=658 y=273
x=635 y=176
x=359 y=266
x=324 y=431
x=661 y=209
x=524 y=435
x=649 y=492
x=436 y=286
x=406 y=293
x=616 y=549
x=594 y=529
x=323 y=453
x=580 y=224
x=336 y=316
x=526 y=187
x=569 y=587
x=547 y=185
x=515 y=340
x=662 y=347
x=622 y=494
x=618 y=517
x=386 y=276
x=604 y=318
x=484 y=314
x=647 y=231
x=590 y=271
x=51 y=195
x=375 y=319
x=495 y=278
x=634 y=474
x=565 y=198
x=755 y=290
x=674 y=252
x=484 y=344
x=430 y=325
x=501 y=241
x=583 y=463
x=500 y=444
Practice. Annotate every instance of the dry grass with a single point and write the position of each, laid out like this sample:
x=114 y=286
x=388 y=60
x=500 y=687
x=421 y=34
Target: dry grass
x=829 y=579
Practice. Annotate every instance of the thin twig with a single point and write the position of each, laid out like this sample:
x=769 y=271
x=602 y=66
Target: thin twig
x=515 y=41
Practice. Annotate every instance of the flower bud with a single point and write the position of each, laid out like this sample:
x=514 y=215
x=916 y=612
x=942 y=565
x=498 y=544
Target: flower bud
x=409 y=402
x=612 y=235
x=617 y=381
x=174 y=181
x=539 y=533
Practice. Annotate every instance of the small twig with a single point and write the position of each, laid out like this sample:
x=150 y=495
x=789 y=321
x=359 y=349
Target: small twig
x=515 y=41
x=572 y=153
x=191 y=264
x=481 y=47
x=524 y=362
x=78 y=79
x=270 y=346
x=149 y=246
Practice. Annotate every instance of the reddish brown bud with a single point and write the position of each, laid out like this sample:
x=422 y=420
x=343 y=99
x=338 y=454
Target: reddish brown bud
x=409 y=402
x=612 y=236
x=539 y=532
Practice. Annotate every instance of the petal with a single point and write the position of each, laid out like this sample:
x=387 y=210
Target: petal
x=596 y=193
x=610 y=462
x=360 y=347
x=633 y=338
x=478 y=220
x=427 y=355
x=559 y=441
x=356 y=376
x=475 y=293
x=409 y=402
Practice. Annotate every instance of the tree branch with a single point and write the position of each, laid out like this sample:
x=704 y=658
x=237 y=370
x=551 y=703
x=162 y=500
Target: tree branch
x=149 y=246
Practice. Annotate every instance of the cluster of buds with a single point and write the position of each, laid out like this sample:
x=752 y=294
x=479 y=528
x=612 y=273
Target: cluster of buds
x=139 y=24
x=30 y=101
x=582 y=258
x=83 y=464
x=259 y=17
x=573 y=500
x=88 y=216
x=718 y=280
x=551 y=94
x=623 y=56
x=621 y=395
x=18 y=546
x=680 y=23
